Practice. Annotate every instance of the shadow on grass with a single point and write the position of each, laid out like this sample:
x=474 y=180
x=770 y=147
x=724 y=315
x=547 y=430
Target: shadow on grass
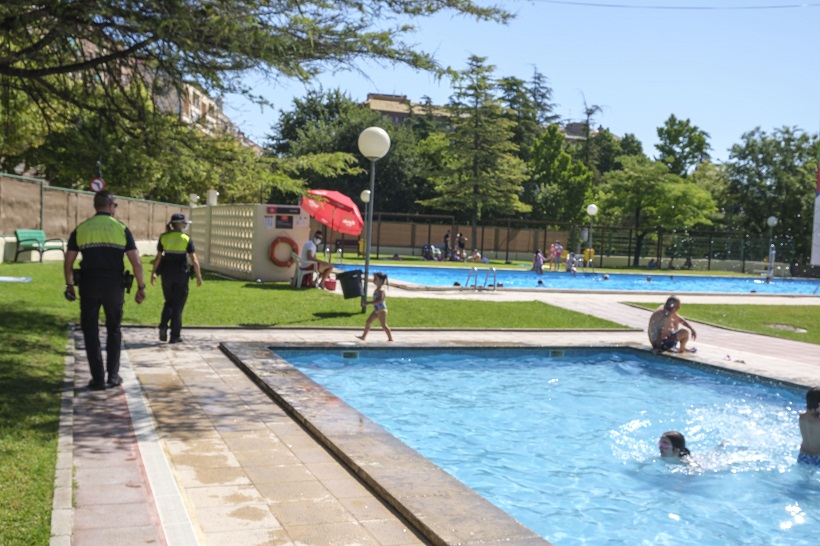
x=32 y=353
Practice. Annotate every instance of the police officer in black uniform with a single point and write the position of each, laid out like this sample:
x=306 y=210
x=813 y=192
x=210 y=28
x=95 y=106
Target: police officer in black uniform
x=173 y=250
x=102 y=240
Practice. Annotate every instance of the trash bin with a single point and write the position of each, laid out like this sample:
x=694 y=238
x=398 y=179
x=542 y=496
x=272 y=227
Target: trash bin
x=351 y=282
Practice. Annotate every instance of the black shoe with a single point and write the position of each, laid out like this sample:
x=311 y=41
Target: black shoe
x=113 y=381
x=163 y=334
x=94 y=386
x=176 y=340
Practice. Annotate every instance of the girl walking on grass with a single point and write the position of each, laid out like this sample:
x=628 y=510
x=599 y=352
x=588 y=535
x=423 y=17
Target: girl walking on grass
x=379 y=307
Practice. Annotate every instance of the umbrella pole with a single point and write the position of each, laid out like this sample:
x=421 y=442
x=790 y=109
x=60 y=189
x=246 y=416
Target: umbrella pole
x=370 y=204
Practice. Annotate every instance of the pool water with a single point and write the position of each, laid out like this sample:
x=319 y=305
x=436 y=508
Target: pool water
x=566 y=442
x=660 y=282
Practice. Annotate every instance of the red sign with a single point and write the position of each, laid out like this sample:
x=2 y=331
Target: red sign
x=98 y=184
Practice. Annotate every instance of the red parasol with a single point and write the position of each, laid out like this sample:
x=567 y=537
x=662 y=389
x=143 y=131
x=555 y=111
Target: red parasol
x=335 y=210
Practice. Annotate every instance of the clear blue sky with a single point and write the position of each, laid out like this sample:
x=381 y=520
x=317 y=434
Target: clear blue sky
x=727 y=68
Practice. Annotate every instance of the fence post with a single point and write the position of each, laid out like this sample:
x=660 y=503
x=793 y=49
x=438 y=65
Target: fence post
x=507 y=255
x=378 y=235
x=709 y=256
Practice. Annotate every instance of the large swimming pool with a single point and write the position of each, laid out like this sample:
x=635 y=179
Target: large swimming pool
x=652 y=281
x=566 y=441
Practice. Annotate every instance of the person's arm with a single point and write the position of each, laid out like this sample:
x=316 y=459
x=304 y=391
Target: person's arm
x=197 y=272
x=68 y=273
x=136 y=264
x=683 y=321
x=155 y=268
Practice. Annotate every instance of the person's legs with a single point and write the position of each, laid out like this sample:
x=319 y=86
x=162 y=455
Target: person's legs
x=324 y=272
x=179 y=296
x=683 y=337
x=167 y=306
x=90 y=303
x=367 y=324
x=383 y=320
x=112 y=305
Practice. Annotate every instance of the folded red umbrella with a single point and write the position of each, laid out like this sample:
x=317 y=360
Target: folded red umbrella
x=335 y=210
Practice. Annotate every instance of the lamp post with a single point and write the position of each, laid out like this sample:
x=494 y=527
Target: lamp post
x=592 y=210
x=772 y=222
x=374 y=143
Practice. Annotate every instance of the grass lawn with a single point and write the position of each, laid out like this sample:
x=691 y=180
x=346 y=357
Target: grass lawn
x=798 y=322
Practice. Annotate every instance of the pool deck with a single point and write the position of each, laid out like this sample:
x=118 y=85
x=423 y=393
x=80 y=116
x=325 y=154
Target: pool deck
x=192 y=451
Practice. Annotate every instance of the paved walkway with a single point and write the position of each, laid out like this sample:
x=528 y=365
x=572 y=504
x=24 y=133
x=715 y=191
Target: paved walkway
x=190 y=451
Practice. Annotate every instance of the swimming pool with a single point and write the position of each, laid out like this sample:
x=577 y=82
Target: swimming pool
x=511 y=278
x=565 y=441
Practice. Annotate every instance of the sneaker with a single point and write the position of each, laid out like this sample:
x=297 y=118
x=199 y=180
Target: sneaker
x=114 y=381
x=163 y=334
x=176 y=340
x=94 y=386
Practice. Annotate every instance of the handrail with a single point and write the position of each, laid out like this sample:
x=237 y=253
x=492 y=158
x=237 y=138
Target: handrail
x=487 y=277
x=475 y=278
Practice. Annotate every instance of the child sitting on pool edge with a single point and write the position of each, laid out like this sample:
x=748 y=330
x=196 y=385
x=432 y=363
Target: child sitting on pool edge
x=379 y=307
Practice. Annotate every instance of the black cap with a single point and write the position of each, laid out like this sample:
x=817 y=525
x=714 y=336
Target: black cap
x=178 y=218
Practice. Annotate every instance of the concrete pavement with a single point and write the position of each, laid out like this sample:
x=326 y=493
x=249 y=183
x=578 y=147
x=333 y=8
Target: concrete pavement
x=192 y=451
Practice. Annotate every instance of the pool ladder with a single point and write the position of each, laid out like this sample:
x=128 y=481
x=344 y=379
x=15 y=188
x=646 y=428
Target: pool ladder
x=474 y=275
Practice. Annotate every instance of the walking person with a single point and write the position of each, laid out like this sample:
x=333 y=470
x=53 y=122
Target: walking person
x=174 y=248
x=103 y=241
x=447 y=245
x=379 y=307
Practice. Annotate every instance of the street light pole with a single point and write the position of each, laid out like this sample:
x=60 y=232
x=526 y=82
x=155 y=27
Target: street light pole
x=772 y=222
x=592 y=210
x=374 y=143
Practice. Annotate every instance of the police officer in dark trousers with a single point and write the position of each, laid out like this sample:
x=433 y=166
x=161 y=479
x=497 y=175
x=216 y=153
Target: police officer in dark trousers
x=173 y=249
x=102 y=240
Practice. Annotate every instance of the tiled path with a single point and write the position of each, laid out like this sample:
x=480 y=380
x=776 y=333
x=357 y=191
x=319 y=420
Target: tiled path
x=190 y=451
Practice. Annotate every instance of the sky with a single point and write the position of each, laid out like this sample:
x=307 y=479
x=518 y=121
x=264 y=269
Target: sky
x=728 y=66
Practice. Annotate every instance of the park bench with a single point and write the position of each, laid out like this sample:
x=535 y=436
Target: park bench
x=35 y=239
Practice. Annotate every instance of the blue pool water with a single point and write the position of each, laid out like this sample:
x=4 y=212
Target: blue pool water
x=511 y=278
x=568 y=444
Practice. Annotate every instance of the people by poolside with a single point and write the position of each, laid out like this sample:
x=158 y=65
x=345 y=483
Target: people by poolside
x=538 y=262
x=665 y=331
x=475 y=257
x=446 y=248
x=550 y=257
x=556 y=255
x=672 y=446
x=809 y=421
x=379 y=307
x=688 y=263
x=461 y=243
x=310 y=254
x=651 y=264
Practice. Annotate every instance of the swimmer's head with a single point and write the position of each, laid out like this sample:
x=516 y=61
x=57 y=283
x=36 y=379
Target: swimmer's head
x=673 y=444
x=813 y=398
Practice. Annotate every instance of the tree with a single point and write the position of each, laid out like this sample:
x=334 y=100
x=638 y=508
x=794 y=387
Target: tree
x=774 y=175
x=645 y=195
x=521 y=111
x=590 y=110
x=481 y=174
x=542 y=99
x=561 y=184
x=317 y=107
x=55 y=51
x=682 y=145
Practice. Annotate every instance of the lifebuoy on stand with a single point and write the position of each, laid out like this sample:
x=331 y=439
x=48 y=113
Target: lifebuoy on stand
x=278 y=261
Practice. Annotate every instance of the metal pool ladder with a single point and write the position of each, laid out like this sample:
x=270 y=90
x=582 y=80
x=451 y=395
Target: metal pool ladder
x=474 y=275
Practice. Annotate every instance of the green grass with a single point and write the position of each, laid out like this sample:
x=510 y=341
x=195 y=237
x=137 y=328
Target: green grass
x=771 y=320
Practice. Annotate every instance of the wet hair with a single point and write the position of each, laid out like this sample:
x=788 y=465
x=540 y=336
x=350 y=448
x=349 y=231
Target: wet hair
x=678 y=442
x=671 y=301
x=380 y=275
x=813 y=398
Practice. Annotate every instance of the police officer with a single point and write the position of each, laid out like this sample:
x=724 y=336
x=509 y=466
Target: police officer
x=102 y=240
x=173 y=248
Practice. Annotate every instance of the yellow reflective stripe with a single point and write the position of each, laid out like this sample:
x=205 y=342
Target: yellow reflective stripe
x=101 y=231
x=174 y=242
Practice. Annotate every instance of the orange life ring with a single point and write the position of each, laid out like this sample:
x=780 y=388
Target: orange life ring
x=272 y=252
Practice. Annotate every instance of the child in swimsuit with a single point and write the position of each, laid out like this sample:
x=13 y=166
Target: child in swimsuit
x=379 y=307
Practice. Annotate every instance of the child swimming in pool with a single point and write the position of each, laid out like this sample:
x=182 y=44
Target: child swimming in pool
x=673 y=446
x=810 y=429
x=379 y=307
